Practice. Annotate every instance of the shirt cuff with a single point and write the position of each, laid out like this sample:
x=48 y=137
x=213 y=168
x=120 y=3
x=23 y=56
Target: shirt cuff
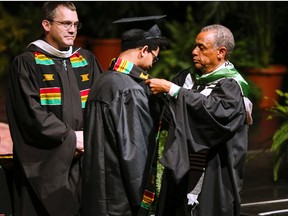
x=174 y=89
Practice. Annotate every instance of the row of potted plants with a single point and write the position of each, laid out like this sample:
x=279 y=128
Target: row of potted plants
x=256 y=28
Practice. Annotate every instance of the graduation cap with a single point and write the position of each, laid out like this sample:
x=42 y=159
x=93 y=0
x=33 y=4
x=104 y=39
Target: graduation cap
x=137 y=28
x=139 y=19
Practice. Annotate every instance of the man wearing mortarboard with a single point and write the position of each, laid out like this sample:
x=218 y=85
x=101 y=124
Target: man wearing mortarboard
x=119 y=132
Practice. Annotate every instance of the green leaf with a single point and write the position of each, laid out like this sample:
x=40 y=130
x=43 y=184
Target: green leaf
x=280 y=137
x=160 y=168
x=276 y=167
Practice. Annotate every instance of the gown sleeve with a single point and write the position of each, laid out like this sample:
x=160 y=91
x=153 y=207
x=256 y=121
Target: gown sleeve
x=40 y=128
x=42 y=143
x=118 y=139
x=203 y=122
x=135 y=134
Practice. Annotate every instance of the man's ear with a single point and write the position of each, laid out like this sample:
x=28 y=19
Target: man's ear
x=46 y=25
x=144 y=49
x=222 y=51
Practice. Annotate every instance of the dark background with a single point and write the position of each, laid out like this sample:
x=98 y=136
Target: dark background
x=259 y=28
x=250 y=21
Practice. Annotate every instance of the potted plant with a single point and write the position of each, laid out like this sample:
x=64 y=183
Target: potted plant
x=182 y=40
x=16 y=26
x=255 y=57
x=104 y=36
x=254 y=52
x=280 y=137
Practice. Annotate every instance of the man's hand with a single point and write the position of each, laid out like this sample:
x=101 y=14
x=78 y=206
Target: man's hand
x=79 y=144
x=6 y=144
x=158 y=85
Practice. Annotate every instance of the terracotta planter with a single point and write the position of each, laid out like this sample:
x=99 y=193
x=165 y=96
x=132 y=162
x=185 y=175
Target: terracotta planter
x=81 y=41
x=105 y=50
x=262 y=130
x=268 y=79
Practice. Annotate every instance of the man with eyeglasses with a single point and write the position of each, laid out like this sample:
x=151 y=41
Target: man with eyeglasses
x=119 y=129
x=49 y=85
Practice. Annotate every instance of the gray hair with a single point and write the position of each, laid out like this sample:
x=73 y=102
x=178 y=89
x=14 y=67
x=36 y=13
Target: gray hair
x=223 y=37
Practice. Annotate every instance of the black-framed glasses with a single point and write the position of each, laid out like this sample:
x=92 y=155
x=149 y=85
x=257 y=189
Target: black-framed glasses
x=67 y=24
x=155 y=58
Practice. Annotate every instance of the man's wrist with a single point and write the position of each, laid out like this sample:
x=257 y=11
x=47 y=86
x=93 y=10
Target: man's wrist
x=174 y=90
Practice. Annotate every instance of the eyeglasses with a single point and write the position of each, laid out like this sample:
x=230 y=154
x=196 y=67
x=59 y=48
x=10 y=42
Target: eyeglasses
x=67 y=24
x=155 y=58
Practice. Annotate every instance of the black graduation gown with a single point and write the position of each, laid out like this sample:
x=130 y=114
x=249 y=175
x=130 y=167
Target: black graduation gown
x=43 y=129
x=215 y=123
x=119 y=138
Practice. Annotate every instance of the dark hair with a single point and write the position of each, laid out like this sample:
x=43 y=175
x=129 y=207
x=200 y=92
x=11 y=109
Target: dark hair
x=49 y=8
x=135 y=38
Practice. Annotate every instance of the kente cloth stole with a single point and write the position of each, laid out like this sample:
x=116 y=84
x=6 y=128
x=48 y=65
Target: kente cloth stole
x=127 y=67
x=221 y=74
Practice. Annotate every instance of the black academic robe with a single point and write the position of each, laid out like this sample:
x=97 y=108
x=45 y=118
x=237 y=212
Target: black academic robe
x=119 y=139
x=45 y=105
x=214 y=123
